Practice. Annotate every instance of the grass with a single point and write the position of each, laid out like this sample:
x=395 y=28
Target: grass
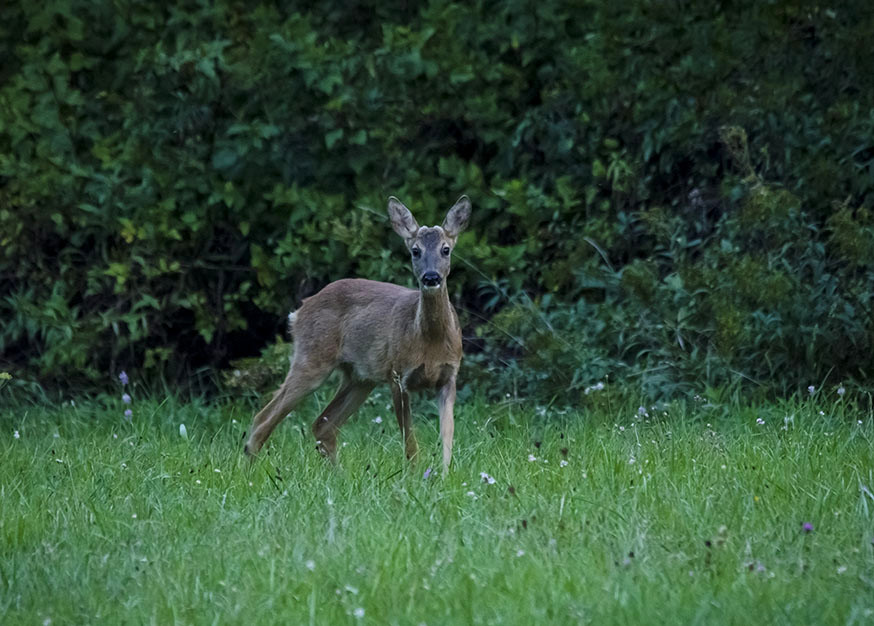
x=693 y=515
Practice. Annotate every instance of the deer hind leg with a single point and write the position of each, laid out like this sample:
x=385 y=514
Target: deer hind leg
x=349 y=397
x=401 y=400
x=302 y=379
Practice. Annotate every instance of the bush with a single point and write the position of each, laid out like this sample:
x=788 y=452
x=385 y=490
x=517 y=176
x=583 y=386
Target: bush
x=174 y=179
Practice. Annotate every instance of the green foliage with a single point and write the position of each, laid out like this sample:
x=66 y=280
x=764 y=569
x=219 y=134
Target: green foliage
x=262 y=372
x=654 y=184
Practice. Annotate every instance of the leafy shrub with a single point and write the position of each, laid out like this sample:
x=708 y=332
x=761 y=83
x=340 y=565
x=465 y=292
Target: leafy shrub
x=174 y=179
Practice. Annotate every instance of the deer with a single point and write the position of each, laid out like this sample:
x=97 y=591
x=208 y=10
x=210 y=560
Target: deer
x=375 y=333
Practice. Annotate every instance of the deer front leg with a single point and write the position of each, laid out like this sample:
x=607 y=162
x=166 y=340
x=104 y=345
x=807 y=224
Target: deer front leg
x=401 y=400
x=446 y=401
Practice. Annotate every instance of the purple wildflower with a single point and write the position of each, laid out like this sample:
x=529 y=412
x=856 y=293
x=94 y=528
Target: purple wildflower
x=807 y=527
x=126 y=398
x=427 y=473
x=123 y=378
x=811 y=390
x=128 y=414
x=841 y=390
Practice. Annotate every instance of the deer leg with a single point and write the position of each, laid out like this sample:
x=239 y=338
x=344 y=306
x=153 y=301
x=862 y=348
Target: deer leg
x=446 y=401
x=299 y=382
x=349 y=397
x=401 y=400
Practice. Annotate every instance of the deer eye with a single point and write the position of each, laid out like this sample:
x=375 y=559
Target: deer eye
x=416 y=252
x=446 y=250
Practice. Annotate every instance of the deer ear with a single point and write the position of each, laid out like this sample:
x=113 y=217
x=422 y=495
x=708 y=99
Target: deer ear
x=456 y=219
x=402 y=220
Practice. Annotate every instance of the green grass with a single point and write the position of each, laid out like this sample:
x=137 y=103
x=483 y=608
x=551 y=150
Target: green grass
x=693 y=516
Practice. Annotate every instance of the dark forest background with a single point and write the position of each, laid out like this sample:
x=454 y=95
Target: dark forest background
x=669 y=194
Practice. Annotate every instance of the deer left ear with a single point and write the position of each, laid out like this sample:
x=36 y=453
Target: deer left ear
x=402 y=220
x=456 y=219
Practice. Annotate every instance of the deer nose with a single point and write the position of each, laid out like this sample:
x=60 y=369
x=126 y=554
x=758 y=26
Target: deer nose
x=431 y=279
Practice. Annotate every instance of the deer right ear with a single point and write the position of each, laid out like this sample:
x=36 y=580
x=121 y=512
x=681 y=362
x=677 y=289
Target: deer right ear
x=456 y=219
x=402 y=220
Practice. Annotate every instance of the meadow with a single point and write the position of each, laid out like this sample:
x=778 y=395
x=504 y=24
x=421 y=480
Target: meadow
x=690 y=513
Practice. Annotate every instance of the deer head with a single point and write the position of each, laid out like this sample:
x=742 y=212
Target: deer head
x=430 y=247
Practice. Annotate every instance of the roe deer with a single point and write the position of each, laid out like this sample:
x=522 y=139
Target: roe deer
x=374 y=333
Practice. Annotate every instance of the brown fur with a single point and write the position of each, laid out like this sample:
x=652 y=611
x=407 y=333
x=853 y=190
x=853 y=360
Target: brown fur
x=375 y=333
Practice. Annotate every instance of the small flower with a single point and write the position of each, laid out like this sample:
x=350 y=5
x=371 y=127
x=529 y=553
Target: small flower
x=376 y=420
x=632 y=461
x=123 y=378
x=520 y=553
x=471 y=494
x=183 y=432
x=562 y=463
x=134 y=516
x=427 y=473
x=197 y=482
x=128 y=414
x=487 y=479
x=217 y=471
x=841 y=390
x=807 y=527
x=16 y=435
x=760 y=421
x=842 y=569
x=859 y=422
x=811 y=390
x=126 y=398
x=641 y=411
x=310 y=565
x=596 y=387
x=359 y=612
x=532 y=458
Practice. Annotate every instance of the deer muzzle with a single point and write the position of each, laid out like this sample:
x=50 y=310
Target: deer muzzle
x=431 y=280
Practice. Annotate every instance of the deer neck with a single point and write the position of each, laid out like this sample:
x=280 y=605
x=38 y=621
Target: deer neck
x=434 y=313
